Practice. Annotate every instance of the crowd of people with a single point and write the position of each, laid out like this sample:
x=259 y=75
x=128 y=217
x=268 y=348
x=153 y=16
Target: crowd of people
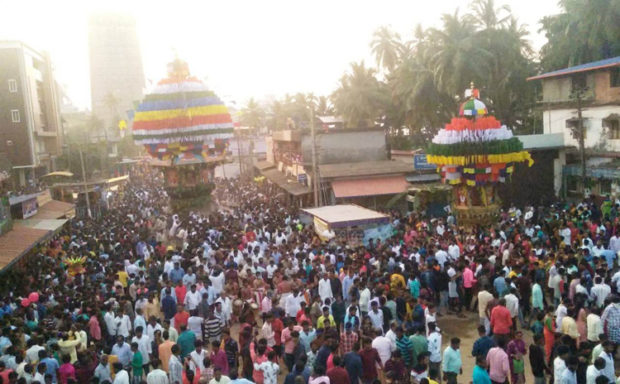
x=249 y=294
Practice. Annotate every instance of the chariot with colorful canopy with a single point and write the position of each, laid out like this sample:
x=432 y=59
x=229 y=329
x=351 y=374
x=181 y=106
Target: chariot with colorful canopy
x=185 y=128
x=474 y=152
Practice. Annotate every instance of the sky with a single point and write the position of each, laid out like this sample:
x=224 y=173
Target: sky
x=242 y=48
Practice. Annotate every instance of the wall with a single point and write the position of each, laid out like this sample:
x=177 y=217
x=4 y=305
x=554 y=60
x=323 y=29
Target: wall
x=557 y=89
x=19 y=153
x=346 y=147
x=605 y=93
x=596 y=137
x=539 y=179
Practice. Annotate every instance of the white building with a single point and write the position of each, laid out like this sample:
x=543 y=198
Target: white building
x=600 y=102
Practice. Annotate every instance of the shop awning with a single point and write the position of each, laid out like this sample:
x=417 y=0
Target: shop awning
x=369 y=187
x=55 y=209
x=18 y=241
x=290 y=185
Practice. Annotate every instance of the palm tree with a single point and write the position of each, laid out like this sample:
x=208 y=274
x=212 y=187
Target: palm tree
x=457 y=59
x=586 y=31
x=324 y=107
x=361 y=99
x=386 y=47
x=253 y=115
x=487 y=17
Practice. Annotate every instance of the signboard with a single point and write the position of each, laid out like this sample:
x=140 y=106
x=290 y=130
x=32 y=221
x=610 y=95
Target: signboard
x=29 y=208
x=420 y=162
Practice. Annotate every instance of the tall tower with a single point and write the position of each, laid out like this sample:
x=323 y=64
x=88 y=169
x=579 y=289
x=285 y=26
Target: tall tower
x=116 y=73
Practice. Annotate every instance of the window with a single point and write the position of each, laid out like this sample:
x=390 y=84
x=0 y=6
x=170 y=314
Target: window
x=613 y=125
x=604 y=187
x=12 y=85
x=15 y=115
x=579 y=82
x=614 y=77
x=572 y=184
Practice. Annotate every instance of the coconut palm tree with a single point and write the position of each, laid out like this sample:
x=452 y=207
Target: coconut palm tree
x=457 y=59
x=386 y=47
x=361 y=99
x=486 y=16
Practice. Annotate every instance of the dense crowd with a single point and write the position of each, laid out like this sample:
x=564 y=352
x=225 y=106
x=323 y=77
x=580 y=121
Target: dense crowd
x=249 y=294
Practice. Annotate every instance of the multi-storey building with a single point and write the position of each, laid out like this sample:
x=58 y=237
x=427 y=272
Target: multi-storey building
x=30 y=125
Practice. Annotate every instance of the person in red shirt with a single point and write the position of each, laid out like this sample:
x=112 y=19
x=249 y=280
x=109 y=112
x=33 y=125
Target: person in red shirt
x=338 y=375
x=277 y=326
x=180 y=290
x=370 y=359
x=501 y=321
x=180 y=318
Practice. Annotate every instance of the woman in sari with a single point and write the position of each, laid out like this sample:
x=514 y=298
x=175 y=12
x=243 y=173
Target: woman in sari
x=549 y=331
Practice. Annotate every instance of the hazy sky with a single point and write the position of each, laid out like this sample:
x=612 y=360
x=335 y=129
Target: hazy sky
x=243 y=48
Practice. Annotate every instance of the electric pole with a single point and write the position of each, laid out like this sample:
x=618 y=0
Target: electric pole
x=582 y=138
x=315 y=171
x=85 y=186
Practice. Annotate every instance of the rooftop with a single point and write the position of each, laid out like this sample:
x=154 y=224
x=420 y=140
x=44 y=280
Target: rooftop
x=347 y=215
x=601 y=64
x=366 y=168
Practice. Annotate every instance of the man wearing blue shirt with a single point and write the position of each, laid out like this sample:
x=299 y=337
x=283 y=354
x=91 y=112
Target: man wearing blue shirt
x=51 y=365
x=452 y=363
x=122 y=350
x=481 y=376
x=177 y=273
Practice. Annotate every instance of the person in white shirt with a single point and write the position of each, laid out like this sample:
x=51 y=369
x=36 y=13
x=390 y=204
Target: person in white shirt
x=194 y=323
x=594 y=370
x=599 y=291
x=454 y=252
x=198 y=356
x=153 y=326
x=122 y=324
x=607 y=355
x=293 y=303
x=559 y=364
x=364 y=299
x=217 y=280
x=267 y=331
x=512 y=304
x=108 y=319
x=122 y=376
x=441 y=256
x=325 y=289
x=594 y=325
x=139 y=321
x=271 y=269
x=144 y=346
x=434 y=347
x=384 y=347
x=376 y=318
x=192 y=298
x=157 y=375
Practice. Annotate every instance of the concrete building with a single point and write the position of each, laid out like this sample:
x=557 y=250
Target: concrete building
x=601 y=120
x=30 y=125
x=353 y=167
x=116 y=72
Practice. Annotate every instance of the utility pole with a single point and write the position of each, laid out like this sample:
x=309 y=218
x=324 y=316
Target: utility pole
x=84 y=184
x=239 y=155
x=315 y=170
x=582 y=138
